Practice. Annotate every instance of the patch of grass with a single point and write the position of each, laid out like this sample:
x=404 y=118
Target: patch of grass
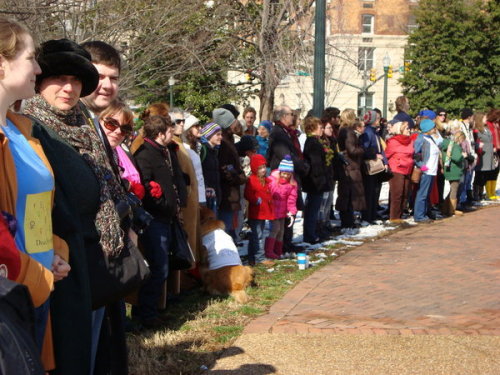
x=201 y=326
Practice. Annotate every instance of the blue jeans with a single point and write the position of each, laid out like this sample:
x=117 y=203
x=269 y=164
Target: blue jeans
x=229 y=218
x=255 y=248
x=156 y=242
x=422 y=198
x=41 y=318
x=311 y=214
x=464 y=186
x=212 y=204
x=97 y=319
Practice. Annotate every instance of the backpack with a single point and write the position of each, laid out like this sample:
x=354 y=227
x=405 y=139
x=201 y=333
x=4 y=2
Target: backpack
x=18 y=351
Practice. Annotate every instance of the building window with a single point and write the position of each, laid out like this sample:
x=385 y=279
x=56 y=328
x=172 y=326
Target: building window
x=367 y=23
x=412 y=23
x=365 y=58
x=365 y=101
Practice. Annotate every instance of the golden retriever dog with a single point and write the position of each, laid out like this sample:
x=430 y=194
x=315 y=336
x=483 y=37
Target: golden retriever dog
x=220 y=266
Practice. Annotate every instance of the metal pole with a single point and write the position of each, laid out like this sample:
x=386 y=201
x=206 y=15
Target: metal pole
x=365 y=75
x=384 y=112
x=319 y=58
x=171 y=96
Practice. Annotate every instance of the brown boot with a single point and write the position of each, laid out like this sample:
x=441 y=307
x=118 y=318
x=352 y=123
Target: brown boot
x=453 y=206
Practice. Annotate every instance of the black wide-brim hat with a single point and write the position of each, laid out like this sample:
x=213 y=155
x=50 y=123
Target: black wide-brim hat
x=65 y=57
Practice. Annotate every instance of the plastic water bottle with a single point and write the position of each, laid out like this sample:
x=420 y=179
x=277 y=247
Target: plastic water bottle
x=301 y=261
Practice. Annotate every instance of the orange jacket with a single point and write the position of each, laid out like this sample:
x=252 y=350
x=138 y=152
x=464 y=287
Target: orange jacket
x=38 y=279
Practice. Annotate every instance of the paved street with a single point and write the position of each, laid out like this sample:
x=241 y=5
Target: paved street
x=424 y=300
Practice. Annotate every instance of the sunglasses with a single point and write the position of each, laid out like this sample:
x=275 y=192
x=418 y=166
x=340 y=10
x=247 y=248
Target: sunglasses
x=111 y=124
x=442 y=114
x=180 y=120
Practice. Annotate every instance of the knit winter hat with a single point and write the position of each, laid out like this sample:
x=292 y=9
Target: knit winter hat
x=286 y=165
x=256 y=161
x=65 y=57
x=370 y=117
x=210 y=129
x=267 y=124
x=466 y=113
x=427 y=113
x=223 y=117
x=190 y=121
x=246 y=143
x=427 y=125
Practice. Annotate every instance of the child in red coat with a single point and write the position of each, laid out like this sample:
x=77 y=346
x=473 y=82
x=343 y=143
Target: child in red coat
x=260 y=208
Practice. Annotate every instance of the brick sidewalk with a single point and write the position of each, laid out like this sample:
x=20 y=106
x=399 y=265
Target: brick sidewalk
x=440 y=279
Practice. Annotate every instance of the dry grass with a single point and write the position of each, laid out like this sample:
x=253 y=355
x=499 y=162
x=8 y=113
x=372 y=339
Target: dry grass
x=201 y=326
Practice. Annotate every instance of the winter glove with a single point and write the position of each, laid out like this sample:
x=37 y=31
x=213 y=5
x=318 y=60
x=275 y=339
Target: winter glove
x=259 y=201
x=424 y=168
x=137 y=189
x=155 y=189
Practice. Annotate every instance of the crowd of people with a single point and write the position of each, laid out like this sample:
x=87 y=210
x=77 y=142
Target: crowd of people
x=79 y=187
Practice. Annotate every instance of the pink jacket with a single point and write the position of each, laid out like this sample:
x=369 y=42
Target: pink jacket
x=284 y=195
x=399 y=152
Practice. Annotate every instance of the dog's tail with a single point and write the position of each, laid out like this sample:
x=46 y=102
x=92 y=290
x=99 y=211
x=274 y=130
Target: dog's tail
x=240 y=296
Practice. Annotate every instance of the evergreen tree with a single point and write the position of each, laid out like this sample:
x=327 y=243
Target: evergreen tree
x=454 y=55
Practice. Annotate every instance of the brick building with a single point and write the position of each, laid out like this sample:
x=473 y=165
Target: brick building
x=360 y=33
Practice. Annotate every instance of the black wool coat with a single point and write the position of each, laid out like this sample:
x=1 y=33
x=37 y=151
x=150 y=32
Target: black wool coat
x=320 y=176
x=152 y=165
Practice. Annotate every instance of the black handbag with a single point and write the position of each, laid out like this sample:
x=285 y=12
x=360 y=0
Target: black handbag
x=181 y=256
x=113 y=278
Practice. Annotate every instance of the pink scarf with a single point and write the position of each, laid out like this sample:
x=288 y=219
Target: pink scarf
x=130 y=172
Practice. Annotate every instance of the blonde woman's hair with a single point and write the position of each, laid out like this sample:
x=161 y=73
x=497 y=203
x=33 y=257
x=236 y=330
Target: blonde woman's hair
x=478 y=121
x=117 y=106
x=347 y=117
x=456 y=137
x=12 y=36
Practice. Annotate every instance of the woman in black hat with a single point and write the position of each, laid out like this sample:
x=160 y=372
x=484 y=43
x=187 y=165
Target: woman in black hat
x=84 y=214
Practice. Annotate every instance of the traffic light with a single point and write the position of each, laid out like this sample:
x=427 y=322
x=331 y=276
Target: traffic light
x=373 y=74
x=248 y=75
x=389 y=72
x=407 y=65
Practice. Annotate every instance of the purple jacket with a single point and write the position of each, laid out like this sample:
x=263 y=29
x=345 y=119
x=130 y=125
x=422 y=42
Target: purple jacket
x=284 y=195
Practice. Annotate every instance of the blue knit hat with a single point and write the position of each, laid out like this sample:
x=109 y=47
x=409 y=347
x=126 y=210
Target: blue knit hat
x=267 y=124
x=286 y=164
x=427 y=125
x=210 y=129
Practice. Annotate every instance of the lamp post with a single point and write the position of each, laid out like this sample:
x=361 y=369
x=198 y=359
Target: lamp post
x=386 y=62
x=171 y=83
x=319 y=58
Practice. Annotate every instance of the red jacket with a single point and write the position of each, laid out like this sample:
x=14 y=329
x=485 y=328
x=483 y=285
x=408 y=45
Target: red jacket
x=258 y=192
x=255 y=190
x=495 y=132
x=399 y=152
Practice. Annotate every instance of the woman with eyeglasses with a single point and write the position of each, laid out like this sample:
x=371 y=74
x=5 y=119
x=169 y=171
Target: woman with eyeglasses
x=117 y=124
x=84 y=214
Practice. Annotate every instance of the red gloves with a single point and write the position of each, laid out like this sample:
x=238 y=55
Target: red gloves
x=155 y=189
x=137 y=189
